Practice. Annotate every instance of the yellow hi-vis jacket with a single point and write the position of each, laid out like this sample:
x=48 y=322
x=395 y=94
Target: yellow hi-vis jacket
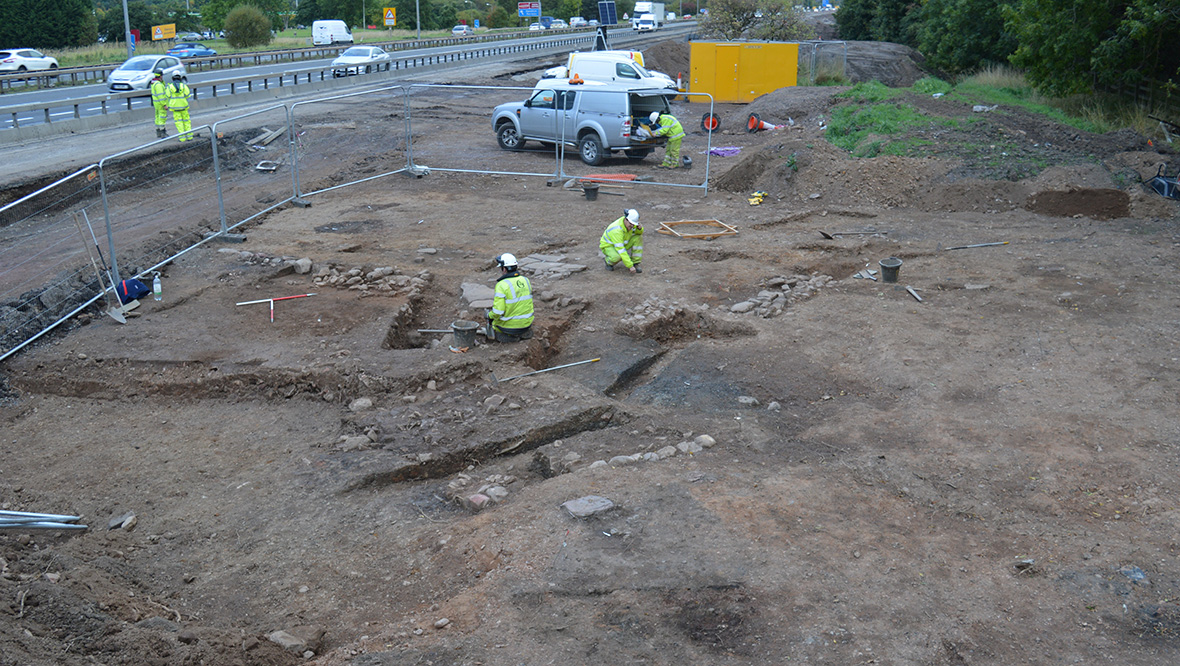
x=668 y=126
x=513 y=305
x=178 y=94
x=159 y=94
x=627 y=244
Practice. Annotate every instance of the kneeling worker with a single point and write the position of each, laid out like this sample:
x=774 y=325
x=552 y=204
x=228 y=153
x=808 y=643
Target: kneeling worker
x=511 y=316
x=623 y=241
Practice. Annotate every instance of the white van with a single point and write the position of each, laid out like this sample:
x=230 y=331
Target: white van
x=611 y=67
x=324 y=33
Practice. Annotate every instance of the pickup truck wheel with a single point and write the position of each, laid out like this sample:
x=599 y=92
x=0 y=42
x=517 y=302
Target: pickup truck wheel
x=637 y=154
x=591 y=151
x=508 y=137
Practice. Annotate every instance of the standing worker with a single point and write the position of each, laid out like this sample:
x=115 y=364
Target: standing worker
x=664 y=124
x=511 y=316
x=160 y=102
x=623 y=241
x=178 y=94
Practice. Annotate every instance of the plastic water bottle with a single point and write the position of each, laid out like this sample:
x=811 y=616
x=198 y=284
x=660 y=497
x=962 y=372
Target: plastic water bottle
x=157 y=289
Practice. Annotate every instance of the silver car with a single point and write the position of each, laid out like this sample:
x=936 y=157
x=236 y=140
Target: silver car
x=136 y=73
x=360 y=59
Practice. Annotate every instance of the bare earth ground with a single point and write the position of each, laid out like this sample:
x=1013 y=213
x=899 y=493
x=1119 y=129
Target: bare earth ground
x=988 y=476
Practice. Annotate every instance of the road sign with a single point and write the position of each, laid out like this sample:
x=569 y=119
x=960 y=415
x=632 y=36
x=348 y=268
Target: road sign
x=390 y=16
x=163 y=32
x=528 y=9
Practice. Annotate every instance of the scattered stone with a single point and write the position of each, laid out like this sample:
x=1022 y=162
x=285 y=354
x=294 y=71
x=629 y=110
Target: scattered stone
x=1024 y=565
x=354 y=443
x=748 y=401
x=360 y=405
x=744 y=306
x=303 y=266
x=441 y=622
x=690 y=447
x=705 y=441
x=431 y=385
x=495 y=493
x=976 y=287
x=620 y=461
x=427 y=250
x=493 y=402
x=476 y=502
x=187 y=636
x=774 y=406
x=287 y=641
x=598 y=463
x=590 y=505
x=667 y=452
x=117 y=522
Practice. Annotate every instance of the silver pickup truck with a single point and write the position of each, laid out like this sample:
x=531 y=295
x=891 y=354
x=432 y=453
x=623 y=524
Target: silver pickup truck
x=596 y=118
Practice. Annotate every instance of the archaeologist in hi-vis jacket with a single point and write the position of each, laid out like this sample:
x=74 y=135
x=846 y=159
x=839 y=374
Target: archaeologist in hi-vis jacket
x=623 y=241
x=665 y=124
x=511 y=316
x=178 y=94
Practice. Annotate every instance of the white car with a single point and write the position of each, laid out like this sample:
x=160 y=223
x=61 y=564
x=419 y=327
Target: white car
x=462 y=30
x=534 y=27
x=577 y=22
x=557 y=24
x=360 y=60
x=25 y=60
x=136 y=73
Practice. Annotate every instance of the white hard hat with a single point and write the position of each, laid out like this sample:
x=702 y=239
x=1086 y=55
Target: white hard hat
x=655 y=115
x=633 y=216
x=506 y=260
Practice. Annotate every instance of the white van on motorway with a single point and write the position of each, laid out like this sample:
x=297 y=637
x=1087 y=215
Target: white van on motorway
x=325 y=33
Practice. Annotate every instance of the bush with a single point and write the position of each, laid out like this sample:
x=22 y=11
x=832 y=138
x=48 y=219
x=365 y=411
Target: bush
x=246 y=26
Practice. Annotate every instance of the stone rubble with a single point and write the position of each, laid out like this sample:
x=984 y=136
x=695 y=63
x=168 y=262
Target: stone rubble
x=381 y=281
x=548 y=266
x=780 y=292
x=660 y=315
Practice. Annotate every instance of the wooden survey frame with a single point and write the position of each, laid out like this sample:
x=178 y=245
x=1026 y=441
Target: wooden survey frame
x=726 y=230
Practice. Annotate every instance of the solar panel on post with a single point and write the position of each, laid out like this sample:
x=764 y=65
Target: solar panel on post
x=606 y=13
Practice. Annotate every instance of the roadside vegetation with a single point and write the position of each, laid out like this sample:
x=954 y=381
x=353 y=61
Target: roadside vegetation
x=880 y=121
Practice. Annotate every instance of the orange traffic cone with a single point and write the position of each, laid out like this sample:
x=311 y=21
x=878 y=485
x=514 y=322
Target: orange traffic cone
x=755 y=124
x=710 y=122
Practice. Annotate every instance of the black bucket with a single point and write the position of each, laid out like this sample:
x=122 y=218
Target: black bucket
x=464 y=332
x=889 y=269
x=591 y=190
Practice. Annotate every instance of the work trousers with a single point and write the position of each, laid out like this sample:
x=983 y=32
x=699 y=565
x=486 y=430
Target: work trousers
x=672 y=153
x=183 y=124
x=161 y=115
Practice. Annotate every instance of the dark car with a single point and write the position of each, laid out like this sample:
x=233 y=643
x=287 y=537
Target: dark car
x=191 y=50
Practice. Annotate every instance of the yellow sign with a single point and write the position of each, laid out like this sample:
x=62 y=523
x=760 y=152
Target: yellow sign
x=390 y=16
x=163 y=31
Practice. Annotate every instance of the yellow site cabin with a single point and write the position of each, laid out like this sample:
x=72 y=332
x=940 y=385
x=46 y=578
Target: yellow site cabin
x=738 y=72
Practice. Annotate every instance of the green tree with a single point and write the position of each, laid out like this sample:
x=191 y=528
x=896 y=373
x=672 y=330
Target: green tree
x=853 y=19
x=247 y=26
x=46 y=24
x=215 y=12
x=139 y=15
x=1146 y=45
x=961 y=35
x=1057 y=38
x=772 y=20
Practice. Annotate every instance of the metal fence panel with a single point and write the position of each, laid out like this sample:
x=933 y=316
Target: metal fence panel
x=346 y=139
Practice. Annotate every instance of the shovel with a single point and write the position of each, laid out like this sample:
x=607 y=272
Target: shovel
x=116 y=312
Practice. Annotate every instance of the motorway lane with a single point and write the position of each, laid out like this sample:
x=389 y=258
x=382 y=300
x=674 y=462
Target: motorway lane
x=268 y=73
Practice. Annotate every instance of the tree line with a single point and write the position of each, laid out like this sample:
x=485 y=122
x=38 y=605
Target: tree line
x=1063 y=46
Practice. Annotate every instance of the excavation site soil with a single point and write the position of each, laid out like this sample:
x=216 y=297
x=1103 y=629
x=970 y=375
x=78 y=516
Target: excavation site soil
x=780 y=457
